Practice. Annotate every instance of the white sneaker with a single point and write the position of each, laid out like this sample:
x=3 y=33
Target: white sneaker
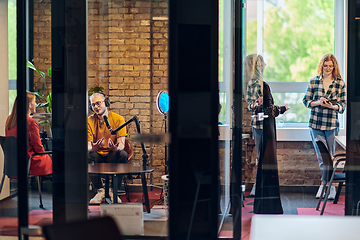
x=99 y=197
x=332 y=193
x=252 y=193
x=319 y=191
x=112 y=196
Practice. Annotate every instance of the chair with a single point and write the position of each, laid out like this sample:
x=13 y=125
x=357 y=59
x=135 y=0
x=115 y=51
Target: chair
x=92 y=229
x=9 y=146
x=330 y=175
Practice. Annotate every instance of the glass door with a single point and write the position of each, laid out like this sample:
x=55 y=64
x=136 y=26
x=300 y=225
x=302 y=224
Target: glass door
x=128 y=61
x=278 y=61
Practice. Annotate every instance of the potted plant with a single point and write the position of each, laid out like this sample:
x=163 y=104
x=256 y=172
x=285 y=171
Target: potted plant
x=45 y=102
x=95 y=90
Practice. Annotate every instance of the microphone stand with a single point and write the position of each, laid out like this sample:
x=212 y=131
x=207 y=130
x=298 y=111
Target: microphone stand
x=136 y=119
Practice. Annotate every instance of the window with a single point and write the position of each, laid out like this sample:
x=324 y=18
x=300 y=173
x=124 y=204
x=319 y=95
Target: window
x=224 y=60
x=292 y=36
x=12 y=51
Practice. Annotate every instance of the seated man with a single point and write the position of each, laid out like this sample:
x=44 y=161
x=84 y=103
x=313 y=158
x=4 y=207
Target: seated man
x=102 y=146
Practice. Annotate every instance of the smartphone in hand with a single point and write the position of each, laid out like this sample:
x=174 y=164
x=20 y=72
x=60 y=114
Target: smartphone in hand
x=333 y=102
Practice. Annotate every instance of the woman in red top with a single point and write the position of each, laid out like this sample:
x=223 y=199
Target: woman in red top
x=41 y=164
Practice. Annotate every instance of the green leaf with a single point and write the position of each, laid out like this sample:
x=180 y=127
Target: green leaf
x=50 y=72
x=49 y=100
x=95 y=90
x=39 y=105
x=31 y=66
x=39 y=95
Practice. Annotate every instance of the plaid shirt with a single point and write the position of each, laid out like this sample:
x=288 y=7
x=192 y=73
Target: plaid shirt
x=325 y=118
x=253 y=93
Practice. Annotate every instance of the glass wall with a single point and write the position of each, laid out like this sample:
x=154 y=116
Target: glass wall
x=127 y=43
x=287 y=37
x=127 y=58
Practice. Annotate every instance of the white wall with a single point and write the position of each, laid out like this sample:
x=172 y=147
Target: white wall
x=4 y=83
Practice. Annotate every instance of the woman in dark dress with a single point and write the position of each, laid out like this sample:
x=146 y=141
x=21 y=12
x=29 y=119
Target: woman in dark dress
x=267 y=193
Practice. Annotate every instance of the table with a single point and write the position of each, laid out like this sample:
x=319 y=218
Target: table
x=115 y=169
x=341 y=140
x=299 y=227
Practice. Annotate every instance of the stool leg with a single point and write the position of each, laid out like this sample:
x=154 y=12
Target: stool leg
x=242 y=199
x=39 y=187
x=145 y=192
x=115 y=188
x=107 y=195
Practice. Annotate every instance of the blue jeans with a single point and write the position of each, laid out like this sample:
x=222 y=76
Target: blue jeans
x=257 y=135
x=328 y=138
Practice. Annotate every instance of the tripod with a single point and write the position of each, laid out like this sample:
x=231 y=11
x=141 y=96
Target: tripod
x=166 y=160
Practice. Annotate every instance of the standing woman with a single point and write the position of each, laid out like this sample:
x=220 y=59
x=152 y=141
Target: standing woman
x=259 y=99
x=253 y=77
x=325 y=96
x=40 y=164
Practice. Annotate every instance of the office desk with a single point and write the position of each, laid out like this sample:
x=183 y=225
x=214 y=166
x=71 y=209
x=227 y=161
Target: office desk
x=341 y=140
x=115 y=169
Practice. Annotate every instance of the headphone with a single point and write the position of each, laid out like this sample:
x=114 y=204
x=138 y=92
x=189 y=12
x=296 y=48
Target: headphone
x=106 y=100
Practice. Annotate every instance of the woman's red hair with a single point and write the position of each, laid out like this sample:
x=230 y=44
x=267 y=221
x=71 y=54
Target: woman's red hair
x=11 y=121
x=329 y=57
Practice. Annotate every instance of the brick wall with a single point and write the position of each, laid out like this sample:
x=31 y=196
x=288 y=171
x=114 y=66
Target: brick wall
x=42 y=49
x=128 y=57
x=297 y=163
x=42 y=43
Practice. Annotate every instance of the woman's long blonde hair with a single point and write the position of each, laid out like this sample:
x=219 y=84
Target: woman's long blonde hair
x=12 y=119
x=249 y=70
x=329 y=57
x=253 y=68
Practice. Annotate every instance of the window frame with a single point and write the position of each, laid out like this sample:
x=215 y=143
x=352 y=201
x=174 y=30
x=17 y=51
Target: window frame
x=228 y=77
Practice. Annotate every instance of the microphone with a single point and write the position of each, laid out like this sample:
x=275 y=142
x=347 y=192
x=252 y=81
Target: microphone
x=107 y=123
